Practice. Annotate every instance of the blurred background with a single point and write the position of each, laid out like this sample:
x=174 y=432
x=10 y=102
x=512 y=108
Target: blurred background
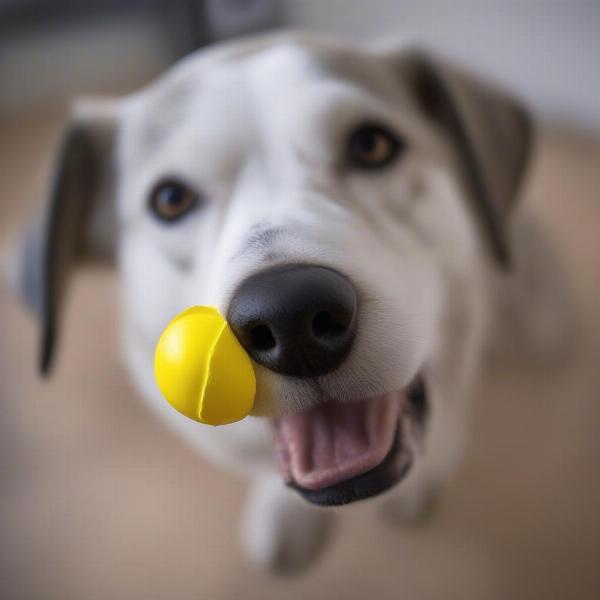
x=99 y=500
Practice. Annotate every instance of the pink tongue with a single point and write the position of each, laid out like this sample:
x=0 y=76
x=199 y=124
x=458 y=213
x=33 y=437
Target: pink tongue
x=335 y=441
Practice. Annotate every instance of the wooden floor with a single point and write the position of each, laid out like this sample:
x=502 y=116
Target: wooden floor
x=99 y=501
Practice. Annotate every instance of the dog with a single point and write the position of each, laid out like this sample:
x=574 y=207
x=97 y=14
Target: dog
x=351 y=210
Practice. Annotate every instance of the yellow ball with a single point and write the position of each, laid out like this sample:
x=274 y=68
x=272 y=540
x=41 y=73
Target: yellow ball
x=202 y=369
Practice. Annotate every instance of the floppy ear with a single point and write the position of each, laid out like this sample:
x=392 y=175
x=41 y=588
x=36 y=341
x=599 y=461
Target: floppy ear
x=79 y=220
x=490 y=132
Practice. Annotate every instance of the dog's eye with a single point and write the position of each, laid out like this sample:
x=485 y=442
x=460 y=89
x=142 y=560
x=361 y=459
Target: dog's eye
x=171 y=199
x=373 y=146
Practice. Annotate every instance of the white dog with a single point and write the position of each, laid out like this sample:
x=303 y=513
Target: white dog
x=348 y=210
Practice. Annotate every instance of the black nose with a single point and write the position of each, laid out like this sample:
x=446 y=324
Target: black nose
x=297 y=320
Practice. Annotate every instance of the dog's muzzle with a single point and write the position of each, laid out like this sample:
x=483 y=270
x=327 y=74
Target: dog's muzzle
x=301 y=321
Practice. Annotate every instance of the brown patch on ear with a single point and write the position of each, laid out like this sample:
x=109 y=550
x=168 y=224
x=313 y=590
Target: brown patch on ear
x=74 y=197
x=490 y=132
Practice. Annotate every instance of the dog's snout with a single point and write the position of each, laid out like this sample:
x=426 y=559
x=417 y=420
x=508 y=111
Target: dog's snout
x=297 y=320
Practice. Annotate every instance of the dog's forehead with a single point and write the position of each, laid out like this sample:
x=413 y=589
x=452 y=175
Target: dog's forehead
x=296 y=63
x=284 y=61
x=206 y=83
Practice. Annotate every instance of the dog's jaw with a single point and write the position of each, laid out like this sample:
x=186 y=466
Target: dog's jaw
x=337 y=453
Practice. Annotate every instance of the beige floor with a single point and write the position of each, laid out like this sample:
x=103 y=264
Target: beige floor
x=98 y=501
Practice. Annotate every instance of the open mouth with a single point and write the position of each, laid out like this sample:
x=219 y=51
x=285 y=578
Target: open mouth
x=337 y=453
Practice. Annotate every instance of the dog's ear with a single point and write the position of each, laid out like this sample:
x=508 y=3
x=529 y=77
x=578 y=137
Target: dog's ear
x=490 y=132
x=78 y=221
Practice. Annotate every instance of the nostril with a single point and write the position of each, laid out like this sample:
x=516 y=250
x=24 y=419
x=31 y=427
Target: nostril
x=261 y=338
x=326 y=325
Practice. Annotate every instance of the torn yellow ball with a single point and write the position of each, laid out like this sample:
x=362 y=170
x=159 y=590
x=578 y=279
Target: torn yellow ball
x=202 y=370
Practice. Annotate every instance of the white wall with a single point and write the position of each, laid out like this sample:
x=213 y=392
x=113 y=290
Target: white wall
x=546 y=50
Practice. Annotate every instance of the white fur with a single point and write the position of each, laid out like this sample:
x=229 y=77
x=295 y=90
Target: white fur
x=258 y=133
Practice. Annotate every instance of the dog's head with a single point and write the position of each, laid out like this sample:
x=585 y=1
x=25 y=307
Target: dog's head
x=339 y=205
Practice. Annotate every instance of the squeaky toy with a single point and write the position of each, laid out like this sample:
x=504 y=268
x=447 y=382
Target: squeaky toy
x=202 y=369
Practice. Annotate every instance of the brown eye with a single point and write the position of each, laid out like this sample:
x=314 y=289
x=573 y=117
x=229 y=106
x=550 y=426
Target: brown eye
x=171 y=200
x=373 y=146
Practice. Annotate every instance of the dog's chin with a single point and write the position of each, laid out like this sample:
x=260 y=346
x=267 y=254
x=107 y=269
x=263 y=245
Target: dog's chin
x=340 y=452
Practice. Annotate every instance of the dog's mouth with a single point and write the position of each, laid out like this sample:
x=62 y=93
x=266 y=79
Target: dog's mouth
x=339 y=452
